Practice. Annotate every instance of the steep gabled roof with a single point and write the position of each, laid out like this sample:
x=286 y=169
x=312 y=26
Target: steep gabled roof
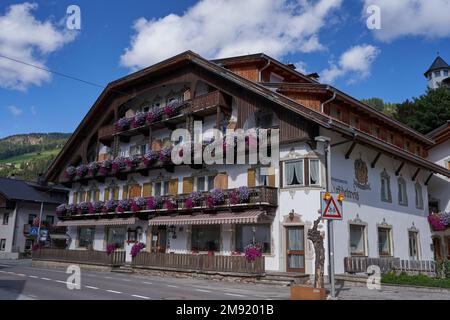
x=441 y=133
x=438 y=64
x=257 y=88
x=19 y=190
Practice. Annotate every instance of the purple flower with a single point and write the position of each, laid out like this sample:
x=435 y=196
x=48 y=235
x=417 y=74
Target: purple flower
x=118 y=164
x=252 y=252
x=96 y=207
x=188 y=203
x=138 y=204
x=150 y=117
x=83 y=207
x=71 y=209
x=154 y=202
x=124 y=205
x=139 y=119
x=81 y=170
x=215 y=198
x=241 y=195
x=136 y=248
x=170 y=204
x=123 y=124
x=165 y=155
x=105 y=167
x=110 y=248
x=133 y=161
x=110 y=206
x=435 y=222
x=445 y=219
x=61 y=210
x=70 y=172
x=93 y=167
x=150 y=157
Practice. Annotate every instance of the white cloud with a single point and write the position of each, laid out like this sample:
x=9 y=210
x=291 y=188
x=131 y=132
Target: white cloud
x=33 y=110
x=301 y=66
x=428 y=18
x=25 y=38
x=15 y=111
x=355 y=64
x=223 y=28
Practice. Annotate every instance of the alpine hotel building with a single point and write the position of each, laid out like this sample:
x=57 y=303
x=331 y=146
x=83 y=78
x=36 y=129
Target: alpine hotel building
x=119 y=152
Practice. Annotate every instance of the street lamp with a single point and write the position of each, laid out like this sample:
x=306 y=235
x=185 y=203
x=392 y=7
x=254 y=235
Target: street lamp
x=327 y=148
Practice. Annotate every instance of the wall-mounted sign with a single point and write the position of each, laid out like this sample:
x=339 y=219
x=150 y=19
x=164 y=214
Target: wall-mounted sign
x=361 y=175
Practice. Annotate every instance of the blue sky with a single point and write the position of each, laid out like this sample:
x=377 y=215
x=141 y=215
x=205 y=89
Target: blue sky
x=325 y=36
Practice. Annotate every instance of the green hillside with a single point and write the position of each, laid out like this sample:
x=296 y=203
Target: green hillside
x=28 y=155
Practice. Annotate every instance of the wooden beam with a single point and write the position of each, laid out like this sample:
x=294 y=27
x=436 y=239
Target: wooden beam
x=374 y=162
x=350 y=150
x=429 y=178
x=415 y=174
x=399 y=169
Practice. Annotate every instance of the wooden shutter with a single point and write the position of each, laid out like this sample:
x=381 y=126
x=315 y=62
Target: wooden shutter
x=106 y=194
x=251 y=178
x=97 y=195
x=115 y=193
x=156 y=145
x=135 y=191
x=173 y=187
x=147 y=190
x=75 y=198
x=272 y=180
x=221 y=181
x=83 y=196
x=188 y=185
x=125 y=192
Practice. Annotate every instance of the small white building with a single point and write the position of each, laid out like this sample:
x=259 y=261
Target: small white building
x=438 y=74
x=20 y=208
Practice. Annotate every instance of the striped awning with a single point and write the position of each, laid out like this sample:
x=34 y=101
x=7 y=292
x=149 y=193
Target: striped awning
x=100 y=222
x=250 y=216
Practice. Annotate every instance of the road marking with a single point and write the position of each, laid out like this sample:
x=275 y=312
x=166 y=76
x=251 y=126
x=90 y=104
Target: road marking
x=3 y=271
x=89 y=287
x=234 y=295
x=201 y=290
x=127 y=280
x=113 y=291
x=21 y=275
x=64 y=282
x=34 y=277
x=172 y=286
x=147 y=282
x=46 y=279
x=140 y=297
x=108 y=278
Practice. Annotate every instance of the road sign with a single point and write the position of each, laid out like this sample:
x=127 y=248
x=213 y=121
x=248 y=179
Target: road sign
x=44 y=235
x=34 y=231
x=331 y=208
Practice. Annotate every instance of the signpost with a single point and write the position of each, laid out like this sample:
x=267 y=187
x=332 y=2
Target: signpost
x=34 y=231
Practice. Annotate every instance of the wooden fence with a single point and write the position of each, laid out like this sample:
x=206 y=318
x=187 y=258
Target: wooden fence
x=116 y=258
x=201 y=263
x=360 y=265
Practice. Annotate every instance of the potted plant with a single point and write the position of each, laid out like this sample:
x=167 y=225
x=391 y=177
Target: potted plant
x=110 y=248
x=123 y=205
x=93 y=168
x=110 y=206
x=61 y=210
x=105 y=167
x=138 y=204
x=118 y=164
x=96 y=207
x=123 y=124
x=139 y=119
x=133 y=161
x=215 y=198
x=136 y=248
x=70 y=172
x=150 y=157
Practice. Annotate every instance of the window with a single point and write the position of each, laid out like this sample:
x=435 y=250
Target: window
x=445 y=73
x=384 y=241
x=205 y=183
x=138 y=150
x=385 y=187
x=205 y=238
x=314 y=172
x=50 y=220
x=31 y=218
x=437 y=74
x=419 y=196
x=248 y=234
x=402 y=195
x=116 y=236
x=5 y=218
x=293 y=173
x=336 y=112
x=2 y=244
x=86 y=237
x=357 y=240
x=413 y=245
x=161 y=188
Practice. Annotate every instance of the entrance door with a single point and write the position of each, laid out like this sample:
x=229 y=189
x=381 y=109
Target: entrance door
x=159 y=238
x=437 y=248
x=295 y=253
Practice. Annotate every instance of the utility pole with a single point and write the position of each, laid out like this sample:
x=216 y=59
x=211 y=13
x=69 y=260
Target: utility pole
x=40 y=222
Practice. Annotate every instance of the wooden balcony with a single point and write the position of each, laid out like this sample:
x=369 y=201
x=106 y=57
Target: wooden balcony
x=106 y=133
x=199 y=263
x=206 y=104
x=92 y=257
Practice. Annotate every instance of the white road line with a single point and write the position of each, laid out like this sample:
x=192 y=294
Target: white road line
x=108 y=278
x=140 y=297
x=147 y=282
x=64 y=282
x=201 y=290
x=46 y=279
x=234 y=295
x=127 y=280
x=34 y=277
x=172 y=286
x=89 y=287
x=21 y=275
x=1 y=271
x=113 y=291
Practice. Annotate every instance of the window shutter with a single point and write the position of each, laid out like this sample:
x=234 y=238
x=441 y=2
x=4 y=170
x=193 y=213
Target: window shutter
x=188 y=185
x=156 y=145
x=106 y=194
x=147 y=190
x=83 y=196
x=135 y=191
x=272 y=180
x=125 y=192
x=173 y=187
x=251 y=177
x=97 y=195
x=116 y=193
x=75 y=198
x=221 y=181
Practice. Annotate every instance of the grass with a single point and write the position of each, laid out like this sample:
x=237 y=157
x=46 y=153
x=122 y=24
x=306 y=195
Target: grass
x=415 y=280
x=30 y=156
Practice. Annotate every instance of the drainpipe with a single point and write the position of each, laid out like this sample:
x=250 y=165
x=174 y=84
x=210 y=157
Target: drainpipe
x=322 y=106
x=261 y=70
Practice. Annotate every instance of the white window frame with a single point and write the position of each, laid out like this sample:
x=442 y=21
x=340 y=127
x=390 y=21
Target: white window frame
x=401 y=186
x=385 y=197
x=417 y=240
x=285 y=186
x=205 y=182
x=5 y=219
x=364 y=234
x=319 y=182
x=418 y=190
x=164 y=188
x=389 y=232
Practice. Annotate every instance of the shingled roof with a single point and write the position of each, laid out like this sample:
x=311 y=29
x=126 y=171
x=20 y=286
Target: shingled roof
x=19 y=190
x=438 y=64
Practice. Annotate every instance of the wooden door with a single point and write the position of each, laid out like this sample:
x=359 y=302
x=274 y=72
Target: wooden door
x=295 y=249
x=159 y=239
x=437 y=248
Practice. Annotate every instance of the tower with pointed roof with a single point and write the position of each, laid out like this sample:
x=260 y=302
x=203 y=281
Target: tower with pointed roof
x=438 y=73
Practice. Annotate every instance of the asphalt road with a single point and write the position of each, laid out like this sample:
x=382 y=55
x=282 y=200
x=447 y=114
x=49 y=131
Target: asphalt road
x=19 y=280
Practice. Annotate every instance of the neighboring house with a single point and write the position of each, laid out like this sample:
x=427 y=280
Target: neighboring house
x=379 y=164
x=20 y=208
x=439 y=188
x=438 y=74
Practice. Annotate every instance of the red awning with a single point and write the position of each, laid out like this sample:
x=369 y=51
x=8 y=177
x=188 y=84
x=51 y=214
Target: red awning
x=251 y=216
x=100 y=222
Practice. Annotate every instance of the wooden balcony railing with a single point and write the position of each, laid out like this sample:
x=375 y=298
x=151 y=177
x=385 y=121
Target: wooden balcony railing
x=116 y=258
x=106 y=132
x=209 y=100
x=200 y=263
x=360 y=265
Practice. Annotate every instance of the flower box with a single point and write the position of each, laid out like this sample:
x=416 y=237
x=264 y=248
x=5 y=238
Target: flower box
x=302 y=292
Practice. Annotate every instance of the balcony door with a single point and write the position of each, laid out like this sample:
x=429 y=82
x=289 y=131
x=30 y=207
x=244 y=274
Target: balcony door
x=295 y=249
x=159 y=239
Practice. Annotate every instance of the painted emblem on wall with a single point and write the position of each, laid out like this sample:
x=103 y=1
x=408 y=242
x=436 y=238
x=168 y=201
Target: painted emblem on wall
x=361 y=175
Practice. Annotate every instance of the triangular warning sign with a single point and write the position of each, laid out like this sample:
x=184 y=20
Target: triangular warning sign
x=331 y=210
